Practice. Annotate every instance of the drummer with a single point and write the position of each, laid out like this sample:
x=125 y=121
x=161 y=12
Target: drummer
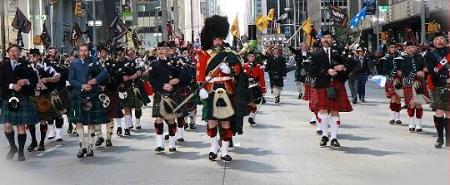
x=255 y=72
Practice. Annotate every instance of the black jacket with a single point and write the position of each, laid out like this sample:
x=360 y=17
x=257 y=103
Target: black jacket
x=320 y=66
x=22 y=71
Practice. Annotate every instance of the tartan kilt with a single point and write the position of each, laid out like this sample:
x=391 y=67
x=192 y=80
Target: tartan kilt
x=389 y=88
x=97 y=115
x=27 y=113
x=183 y=93
x=207 y=111
x=408 y=94
x=114 y=110
x=132 y=101
x=157 y=97
x=341 y=103
x=308 y=89
x=45 y=115
x=441 y=98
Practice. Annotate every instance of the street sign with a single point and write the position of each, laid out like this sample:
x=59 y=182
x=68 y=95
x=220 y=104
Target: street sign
x=97 y=23
x=383 y=8
x=41 y=17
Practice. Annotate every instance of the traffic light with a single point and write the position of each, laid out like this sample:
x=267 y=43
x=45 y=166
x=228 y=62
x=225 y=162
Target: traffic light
x=78 y=9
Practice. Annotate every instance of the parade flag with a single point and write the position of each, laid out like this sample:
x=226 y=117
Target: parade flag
x=136 y=40
x=311 y=37
x=270 y=15
x=262 y=23
x=338 y=15
x=118 y=29
x=235 y=28
x=21 y=22
x=75 y=35
x=307 y=26
x=45 y=36
x=358 y=18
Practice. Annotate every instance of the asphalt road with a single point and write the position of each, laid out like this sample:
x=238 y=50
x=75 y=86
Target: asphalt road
x=281 y=149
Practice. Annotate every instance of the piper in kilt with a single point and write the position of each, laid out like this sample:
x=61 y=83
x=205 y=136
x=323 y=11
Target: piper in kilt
x=389 y=64
x=86 y=108
x=164 y=77
x=414 y=85
x=48 y=77
x=300 y=72
x=141 y=96
x=257 y=84
x=309 y=92
x=330 y=71
x=437 y=62
x=192 y=104
x=17 y=81
x=110 y=89
x=220 y=71
x=276 y=67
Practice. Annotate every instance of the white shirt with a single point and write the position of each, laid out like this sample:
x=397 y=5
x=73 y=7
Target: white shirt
x=328 y=51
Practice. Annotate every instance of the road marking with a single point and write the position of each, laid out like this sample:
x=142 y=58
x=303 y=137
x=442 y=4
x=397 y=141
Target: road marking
x=48 y=151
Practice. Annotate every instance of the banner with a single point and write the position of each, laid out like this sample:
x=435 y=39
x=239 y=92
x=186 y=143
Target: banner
x=21 y=22
x=338 y=15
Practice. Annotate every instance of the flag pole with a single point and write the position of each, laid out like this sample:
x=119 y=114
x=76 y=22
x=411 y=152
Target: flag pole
x=296 y=32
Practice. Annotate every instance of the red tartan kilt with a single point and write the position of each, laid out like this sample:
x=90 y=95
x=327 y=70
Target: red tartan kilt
x=389 y=89
x=147 y=88
x=312 y=95
x=340 y=104
x=408 y=94
x=307 y=95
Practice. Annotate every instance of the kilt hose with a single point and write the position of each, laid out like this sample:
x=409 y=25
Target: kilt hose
x=97 y=114
x=26 y=114
x=441 y=98
x=341 y=103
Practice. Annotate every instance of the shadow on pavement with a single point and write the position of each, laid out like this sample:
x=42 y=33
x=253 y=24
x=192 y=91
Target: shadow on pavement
x=367 y=151
x=355 y=138
x=249 y=166
x=253 y=151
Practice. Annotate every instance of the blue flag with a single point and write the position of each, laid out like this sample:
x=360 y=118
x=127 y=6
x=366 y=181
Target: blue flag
x=358 y=18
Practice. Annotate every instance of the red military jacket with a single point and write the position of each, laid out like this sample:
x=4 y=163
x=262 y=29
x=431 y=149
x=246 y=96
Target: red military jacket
x=257 y=73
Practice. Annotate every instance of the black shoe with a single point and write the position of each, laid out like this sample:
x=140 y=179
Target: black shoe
x=192 y=126
x=251 y=121
x=319 y=132
x=127 y=132
x=212 y=156
x=11 y=153
x=300 y=96
x=312 y=122
x=159 y=149
x=419 y=130
x=447 y=144
x=264 y=101
x=32 y=146
x=119 y=131
x=59 y=140
x=81 y=152
x=277 y=99
x=185 y=126
x=138 y=128
x=180 y=139
x=100 y=141
x=398 y=122
x=412 y=129
x=51 y=138
x=69 y=130
x=108 y=143
x=166 y=137
x=231 y=145
x=324 y=141
x=391 y=121
x=90 y=152
x=335 y=143
x=41 y=147
x=354 y=102
x=226 y=158
x=21 y=156
x=439 y=143
x=172 y=149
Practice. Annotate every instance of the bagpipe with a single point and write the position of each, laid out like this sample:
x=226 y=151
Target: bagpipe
x=23 y=70
x=94 y=69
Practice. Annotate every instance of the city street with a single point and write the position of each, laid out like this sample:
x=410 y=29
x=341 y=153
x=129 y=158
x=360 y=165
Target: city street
x=281 y=149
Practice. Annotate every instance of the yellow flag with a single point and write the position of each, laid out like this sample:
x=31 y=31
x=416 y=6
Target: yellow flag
x=235 y=28
x=270 y=15
x=262 y=23
x=307 y=26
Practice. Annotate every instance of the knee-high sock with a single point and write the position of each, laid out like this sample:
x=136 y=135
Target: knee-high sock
x=51 y=129
x=227 y=134
x=137 y=115
x=128 y=121
x=32 y=129
x=80 y=132
x=439 y=123
x=334 y=125
x=21 y=138
x=192 y=116
x=43 y=129
x=224 y=148
x=159 y=129
x=212 y=133
x=180 y=127
x=109 y=129
x=91 y=135
x=118 y=122
x=398 y=107
x=324 y=120
x=172 y=129
x=419 y=115
x=11 y=139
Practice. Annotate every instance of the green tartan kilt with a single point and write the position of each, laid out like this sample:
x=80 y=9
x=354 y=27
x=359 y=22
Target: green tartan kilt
x=97 y=115
x=441 y=98
x=156 y=104
x=25 y=115
x=45 y=115
x=132 y=101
